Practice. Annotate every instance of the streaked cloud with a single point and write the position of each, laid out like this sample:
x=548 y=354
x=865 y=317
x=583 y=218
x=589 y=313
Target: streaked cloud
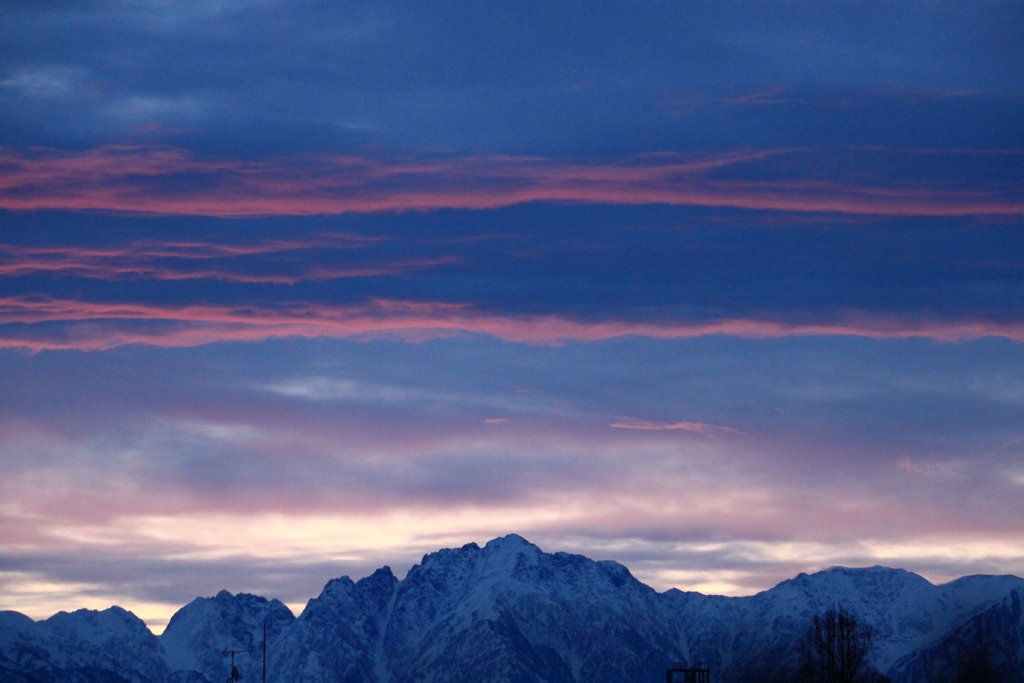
x=122 y=178
x=27 y=323
x=180 y=261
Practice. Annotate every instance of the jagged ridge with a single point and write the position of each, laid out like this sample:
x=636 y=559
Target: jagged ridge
x=509 y=612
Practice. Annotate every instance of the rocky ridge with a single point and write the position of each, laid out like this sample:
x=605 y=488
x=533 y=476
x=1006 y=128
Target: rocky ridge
x=509 y=612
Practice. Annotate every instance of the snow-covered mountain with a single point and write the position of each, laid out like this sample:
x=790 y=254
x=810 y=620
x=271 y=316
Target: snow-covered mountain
x=739 y=636
x=199 y=633
x=509 y=612
x=110 y=646
x=504 y=612
x=988 y=645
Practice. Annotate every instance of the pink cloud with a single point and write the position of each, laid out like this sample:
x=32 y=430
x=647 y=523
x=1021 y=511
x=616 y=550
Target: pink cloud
x=700 y=427
x=122 y=178
x=106 y=325
x=907 y=465
x=178 y=260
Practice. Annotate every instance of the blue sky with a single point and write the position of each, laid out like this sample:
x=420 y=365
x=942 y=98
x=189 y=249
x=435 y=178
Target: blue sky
x=722 y=291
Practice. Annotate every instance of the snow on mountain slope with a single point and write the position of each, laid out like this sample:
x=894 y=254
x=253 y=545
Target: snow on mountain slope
x=734 y=634
x=903 y=607
x=987 y=646
x=335 y=637
x=112 y=644
x=505 y=612
x=508 y=611
x=198 y=634
x=907 y=610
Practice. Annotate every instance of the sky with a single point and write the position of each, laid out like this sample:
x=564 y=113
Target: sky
x=722 y=290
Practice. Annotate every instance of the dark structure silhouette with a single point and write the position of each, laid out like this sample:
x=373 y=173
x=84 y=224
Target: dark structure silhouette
x=681 y=672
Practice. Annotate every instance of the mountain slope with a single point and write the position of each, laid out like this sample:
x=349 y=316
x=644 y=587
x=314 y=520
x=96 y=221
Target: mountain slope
x=988 y=648
x=737 y=635
x=199 y=633
x=112 y=645
x=509 y=612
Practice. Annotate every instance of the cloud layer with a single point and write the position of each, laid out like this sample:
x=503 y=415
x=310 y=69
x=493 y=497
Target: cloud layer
x=517 y=274
x=808 y=452
x=720 y=290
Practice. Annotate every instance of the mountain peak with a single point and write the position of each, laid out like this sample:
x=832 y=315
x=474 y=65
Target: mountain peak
x=384 y=572
x=511 y=542
x=876 y=569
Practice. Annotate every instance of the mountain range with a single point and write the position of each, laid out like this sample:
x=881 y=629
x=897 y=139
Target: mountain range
x=511 y=613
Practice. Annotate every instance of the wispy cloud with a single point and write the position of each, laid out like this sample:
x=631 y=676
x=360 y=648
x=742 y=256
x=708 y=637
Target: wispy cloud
x=197 y=260
x=700 y=427
x=28 y=323
x=127 y=178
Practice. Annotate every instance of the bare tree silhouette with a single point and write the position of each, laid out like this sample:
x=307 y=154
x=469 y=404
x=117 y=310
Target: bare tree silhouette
x=835 y=649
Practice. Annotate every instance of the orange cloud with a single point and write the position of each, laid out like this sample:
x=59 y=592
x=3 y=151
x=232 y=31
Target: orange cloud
x=104 y=325
x=124 y=178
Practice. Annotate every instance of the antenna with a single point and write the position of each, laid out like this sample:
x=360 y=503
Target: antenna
x=235 y=675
